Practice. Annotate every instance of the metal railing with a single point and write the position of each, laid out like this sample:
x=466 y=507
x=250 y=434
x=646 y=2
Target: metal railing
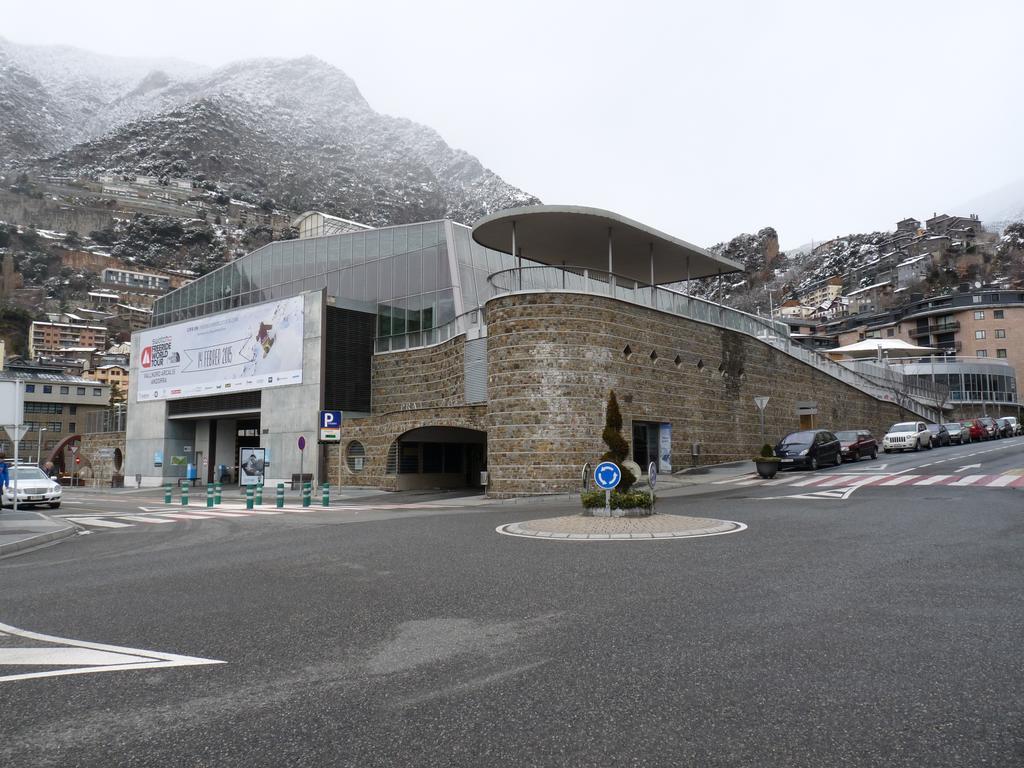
x=109 y=420
x=772 y=332
x=429 y=337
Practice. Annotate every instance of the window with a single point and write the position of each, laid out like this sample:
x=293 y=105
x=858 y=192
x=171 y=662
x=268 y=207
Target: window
x=47 y=389
x=30 y=387
x=1000 y=353
x=982 y=353
x=80 y=391
x=355 y=456
x=64 y=390
x=72 y=409
x=979 y=315
x=1000 y=333
x=977 y=299
x=998 y=314
x=97 y=391
x=979 y=334
x=72 y=427
x=890 y=332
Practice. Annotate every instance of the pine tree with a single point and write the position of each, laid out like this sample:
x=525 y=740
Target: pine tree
x=618 y=448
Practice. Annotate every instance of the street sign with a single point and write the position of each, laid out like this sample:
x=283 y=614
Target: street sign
x=607 y=475
x=761 y=401
x=302 y=443
x=652 y=475
x=105 y=453
x=330 y=426
x=73 y=449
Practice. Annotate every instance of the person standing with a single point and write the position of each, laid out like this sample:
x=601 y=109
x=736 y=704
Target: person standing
x=5 y=475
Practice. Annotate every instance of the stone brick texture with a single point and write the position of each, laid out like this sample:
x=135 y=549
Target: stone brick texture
x=418 y=378
x=93 y=469
x=553 y=358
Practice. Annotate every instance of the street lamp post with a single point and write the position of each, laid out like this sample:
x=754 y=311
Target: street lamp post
x=39 y=446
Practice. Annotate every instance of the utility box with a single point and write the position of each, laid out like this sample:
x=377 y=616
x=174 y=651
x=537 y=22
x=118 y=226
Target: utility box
x=483 y=477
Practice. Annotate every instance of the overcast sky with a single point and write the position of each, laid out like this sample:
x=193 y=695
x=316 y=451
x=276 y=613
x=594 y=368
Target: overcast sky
x=703 y=119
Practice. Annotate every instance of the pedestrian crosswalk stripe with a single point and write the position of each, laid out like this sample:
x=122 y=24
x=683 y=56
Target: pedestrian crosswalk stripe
x=968 y=480
x=900 y=480
x=97 y=521
x=142 y=519
x=932 y=479
x=1003 y=480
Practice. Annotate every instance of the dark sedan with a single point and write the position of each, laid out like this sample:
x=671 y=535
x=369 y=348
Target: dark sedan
x=857 y=443
x=940 y=435
x=811 y=449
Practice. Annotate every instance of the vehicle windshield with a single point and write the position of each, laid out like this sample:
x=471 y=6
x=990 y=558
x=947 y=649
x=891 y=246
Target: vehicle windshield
x=797 y=439
x=27 y=473
x=907 y=426
x=934 y=427
x=847 y=437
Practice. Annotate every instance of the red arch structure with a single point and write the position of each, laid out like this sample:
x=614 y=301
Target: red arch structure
x=57 y=454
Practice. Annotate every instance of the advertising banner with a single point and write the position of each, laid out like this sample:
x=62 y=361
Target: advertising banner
x=665 y=448
x=249 y=348
x=251 y=466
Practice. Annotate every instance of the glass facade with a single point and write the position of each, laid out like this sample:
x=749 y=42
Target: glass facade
x=414 y=277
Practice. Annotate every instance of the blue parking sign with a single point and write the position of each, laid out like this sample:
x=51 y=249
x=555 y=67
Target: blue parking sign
x=330 y=419
x=607 y=475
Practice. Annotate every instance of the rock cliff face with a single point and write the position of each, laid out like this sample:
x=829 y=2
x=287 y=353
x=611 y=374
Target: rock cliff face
x=297 y=132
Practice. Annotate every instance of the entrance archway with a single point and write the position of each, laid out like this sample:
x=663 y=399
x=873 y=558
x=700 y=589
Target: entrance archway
x=438 y=457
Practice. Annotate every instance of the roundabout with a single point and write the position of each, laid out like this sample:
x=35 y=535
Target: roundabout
x=649 y=528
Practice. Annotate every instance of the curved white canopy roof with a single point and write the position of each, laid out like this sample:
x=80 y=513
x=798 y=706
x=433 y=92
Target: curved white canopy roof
x=577 y=236
x=883 y=347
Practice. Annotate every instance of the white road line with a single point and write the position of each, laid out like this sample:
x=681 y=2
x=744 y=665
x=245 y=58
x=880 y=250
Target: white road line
x=813 y=480
x=933 y=479
x=127 y=658
x=185 y=516
x=142 y=519
x=213 y=513
x=1001 y=481
x=98 y=522
x=900 y=480
x=968 y=480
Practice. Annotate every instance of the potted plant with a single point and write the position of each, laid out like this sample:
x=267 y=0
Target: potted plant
x=767 y=463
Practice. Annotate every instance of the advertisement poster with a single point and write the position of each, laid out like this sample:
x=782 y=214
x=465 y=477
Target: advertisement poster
x=665 y=448
x=249 y=348
x=251 y=465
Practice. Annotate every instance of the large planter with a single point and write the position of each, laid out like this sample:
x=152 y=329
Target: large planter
x=767 y=468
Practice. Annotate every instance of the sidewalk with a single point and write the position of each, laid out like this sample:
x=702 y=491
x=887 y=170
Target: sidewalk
x=28 y=528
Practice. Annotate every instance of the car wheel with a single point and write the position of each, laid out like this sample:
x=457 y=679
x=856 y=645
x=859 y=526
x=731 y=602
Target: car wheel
x=887 y=450
x=813 y=463
x=917 y=445
x=874 y=453
x=839 y=458
x=54 y=505
x=931 y=444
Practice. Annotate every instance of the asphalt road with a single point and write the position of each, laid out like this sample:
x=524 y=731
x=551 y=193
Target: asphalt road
x=879 y=628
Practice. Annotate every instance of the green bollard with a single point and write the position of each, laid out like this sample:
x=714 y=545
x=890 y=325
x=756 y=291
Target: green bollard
x=259 y=494
x=307 y=494
x=184 y=495
x=327 y=495
x=280 y=495
x=217 y=488
x=168 y=493
x=209 y=495
x=248 y=497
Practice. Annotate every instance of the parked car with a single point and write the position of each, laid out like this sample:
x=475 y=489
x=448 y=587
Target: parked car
x=811 y=449
x=974 y=429
x=958 y=433
x=34 y=488
x=1005 y=427
x=990 y=427
x=1017 y=428
x=906 y=436
x=940 y=435
x=856 y=443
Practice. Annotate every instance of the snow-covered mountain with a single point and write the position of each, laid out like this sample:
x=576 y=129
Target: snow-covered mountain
x=295 y=131
x=999 y=207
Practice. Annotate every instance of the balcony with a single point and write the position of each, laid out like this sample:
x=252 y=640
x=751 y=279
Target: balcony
x=952 y=327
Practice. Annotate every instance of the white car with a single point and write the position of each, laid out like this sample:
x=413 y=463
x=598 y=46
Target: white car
x=34 y=488
x=906 y=436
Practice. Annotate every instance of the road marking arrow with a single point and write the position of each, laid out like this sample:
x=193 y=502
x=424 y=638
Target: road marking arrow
x=76 y=657
x=968 y=466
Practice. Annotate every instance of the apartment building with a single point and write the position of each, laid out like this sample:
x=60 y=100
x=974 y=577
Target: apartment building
x=48 y=338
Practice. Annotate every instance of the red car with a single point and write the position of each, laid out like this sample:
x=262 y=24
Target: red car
x=857 y=443
x=976 y=429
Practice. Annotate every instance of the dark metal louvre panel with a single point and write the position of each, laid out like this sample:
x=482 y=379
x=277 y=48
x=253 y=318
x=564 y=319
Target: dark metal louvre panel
x=475 y=370
x=233 y=401
x=347 y=356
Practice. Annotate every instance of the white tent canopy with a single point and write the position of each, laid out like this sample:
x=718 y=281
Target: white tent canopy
x=879 y=348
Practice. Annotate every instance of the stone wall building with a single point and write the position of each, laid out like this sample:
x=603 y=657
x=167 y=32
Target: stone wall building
x=477 y=358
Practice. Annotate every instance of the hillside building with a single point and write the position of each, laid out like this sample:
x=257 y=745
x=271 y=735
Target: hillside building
x=50 y=338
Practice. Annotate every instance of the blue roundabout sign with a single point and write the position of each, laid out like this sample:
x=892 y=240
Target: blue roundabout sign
x=607 y=475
